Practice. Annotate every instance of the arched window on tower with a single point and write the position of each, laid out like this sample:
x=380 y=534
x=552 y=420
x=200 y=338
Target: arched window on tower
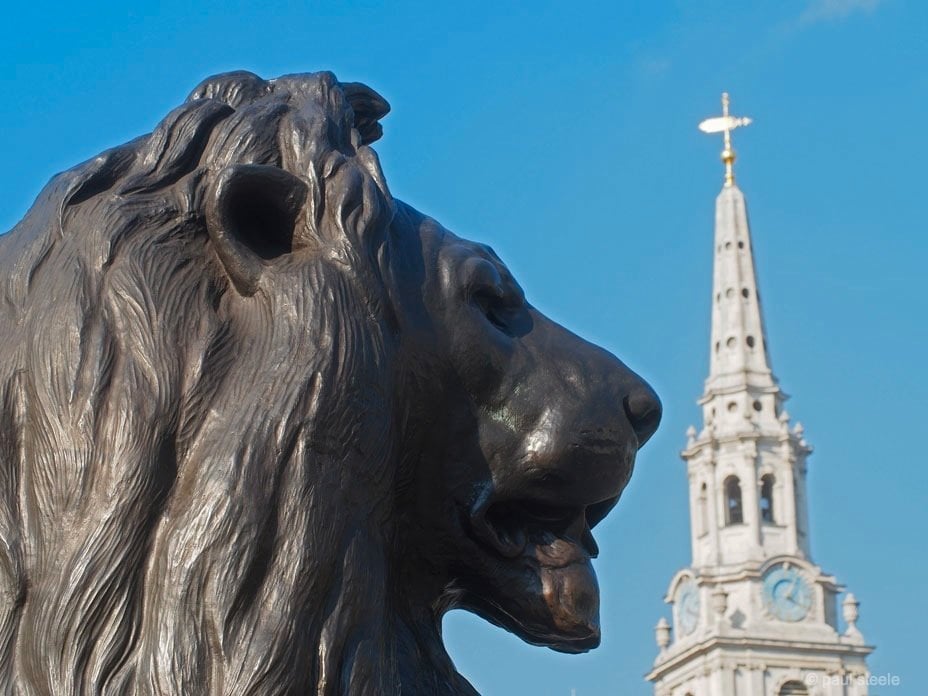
x=766 y=498
x=734 y=513
x=793 y=688
x=703 y=510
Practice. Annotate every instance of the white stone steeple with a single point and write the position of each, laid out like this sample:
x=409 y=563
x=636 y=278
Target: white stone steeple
x=739 y=355
x=752 y=614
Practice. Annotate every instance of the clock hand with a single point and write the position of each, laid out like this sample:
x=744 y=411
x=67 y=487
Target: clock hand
x=791 y=595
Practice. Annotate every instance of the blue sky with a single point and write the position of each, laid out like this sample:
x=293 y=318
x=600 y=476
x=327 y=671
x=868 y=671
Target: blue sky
x=565 y=136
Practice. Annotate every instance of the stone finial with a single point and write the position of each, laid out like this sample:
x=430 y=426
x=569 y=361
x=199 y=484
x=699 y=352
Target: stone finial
x=850 y=609
x=662 y=634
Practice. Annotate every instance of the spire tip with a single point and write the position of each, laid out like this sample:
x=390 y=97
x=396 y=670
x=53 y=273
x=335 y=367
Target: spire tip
x=725 y=124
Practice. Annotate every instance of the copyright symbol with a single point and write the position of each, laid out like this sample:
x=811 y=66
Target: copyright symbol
x=811 y=679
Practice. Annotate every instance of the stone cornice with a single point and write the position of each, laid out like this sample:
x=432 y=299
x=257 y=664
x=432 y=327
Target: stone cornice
x=669 y=661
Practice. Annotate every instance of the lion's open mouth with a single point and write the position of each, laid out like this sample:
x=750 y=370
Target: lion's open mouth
x=551 y=547
x=510 y=525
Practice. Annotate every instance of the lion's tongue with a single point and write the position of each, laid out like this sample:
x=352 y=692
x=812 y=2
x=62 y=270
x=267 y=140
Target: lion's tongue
x=570 y=592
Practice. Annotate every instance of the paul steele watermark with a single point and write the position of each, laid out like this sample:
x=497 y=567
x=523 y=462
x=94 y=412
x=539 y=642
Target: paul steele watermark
x=886 y=679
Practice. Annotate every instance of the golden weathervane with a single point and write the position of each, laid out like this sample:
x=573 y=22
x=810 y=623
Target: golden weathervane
x=725 y=124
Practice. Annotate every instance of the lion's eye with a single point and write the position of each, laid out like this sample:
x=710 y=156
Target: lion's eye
x=506 y=311
x=499 y=300
x=493 y=308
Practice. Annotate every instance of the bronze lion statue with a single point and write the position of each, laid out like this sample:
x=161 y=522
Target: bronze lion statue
x=262 y=424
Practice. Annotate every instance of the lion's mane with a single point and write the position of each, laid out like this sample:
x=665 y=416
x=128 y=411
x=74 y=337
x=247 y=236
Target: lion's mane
x=196 y=494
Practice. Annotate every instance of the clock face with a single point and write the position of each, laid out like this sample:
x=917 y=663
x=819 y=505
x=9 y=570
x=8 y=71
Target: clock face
x=787 y=595
x=687 y=607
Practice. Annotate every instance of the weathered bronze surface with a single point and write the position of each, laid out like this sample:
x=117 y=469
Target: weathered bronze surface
x=262 y=424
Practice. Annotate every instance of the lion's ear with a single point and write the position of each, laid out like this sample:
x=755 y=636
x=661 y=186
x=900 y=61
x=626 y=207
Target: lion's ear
x=251 y=217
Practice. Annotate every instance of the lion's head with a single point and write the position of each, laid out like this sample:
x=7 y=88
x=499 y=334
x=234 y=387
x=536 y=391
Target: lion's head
x=261 y=424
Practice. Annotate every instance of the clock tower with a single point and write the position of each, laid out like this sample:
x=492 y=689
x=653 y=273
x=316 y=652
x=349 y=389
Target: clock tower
x=753 y=615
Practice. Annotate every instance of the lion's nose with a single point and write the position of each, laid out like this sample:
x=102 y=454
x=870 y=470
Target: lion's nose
x=643 y=410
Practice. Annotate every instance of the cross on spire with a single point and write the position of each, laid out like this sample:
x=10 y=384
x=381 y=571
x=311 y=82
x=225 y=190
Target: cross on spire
x=725 y=124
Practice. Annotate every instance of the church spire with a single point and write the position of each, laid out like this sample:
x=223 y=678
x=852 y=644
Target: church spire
x=738 y=349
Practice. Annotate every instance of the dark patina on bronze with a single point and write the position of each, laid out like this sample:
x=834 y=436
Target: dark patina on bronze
x=262 y=424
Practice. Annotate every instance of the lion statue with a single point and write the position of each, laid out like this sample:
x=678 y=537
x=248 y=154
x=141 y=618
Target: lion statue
x=262 y=424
